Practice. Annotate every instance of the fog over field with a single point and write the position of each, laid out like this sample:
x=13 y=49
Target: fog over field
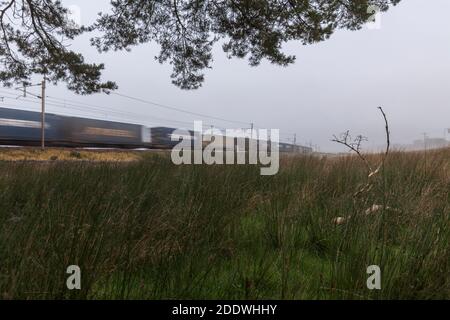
x=335 y=85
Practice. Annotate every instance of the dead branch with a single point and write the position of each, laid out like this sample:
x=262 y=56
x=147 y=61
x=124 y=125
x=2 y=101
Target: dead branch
x=388 y=144
x=356 y=146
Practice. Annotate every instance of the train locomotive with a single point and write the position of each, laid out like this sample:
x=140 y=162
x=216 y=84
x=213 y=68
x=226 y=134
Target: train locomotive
x=23 y=128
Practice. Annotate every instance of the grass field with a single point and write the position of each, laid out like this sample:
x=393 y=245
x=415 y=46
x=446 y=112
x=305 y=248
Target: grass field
x=148 y=229
x=61 y=154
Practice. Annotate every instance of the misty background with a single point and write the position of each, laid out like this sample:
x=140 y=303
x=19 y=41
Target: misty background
x=334 y=86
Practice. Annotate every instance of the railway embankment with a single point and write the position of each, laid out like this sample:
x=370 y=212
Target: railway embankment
x=67 y=155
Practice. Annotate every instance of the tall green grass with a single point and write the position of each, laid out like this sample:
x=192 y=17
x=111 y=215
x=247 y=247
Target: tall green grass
x=152 y=230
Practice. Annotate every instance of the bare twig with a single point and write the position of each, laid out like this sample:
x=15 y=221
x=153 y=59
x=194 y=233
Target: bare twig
x=356 y=146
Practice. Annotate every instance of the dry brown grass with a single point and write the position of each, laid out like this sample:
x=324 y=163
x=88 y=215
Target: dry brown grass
x=60 y=154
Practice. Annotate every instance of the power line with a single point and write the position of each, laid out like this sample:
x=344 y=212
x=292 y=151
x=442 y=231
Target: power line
x=11 y=105
x=177 y=109
x=147 y=102
x=122 y=113
x=102 y=108
x=95 y=109
x=107 y=111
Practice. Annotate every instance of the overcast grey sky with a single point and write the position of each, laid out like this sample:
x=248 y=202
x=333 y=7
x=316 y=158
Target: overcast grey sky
x=334 y=85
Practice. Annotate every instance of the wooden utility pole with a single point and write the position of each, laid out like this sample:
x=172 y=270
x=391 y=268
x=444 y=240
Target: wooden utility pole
x=43 y=115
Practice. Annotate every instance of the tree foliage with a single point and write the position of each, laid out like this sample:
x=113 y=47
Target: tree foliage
x=186 y=31
x=35 y=39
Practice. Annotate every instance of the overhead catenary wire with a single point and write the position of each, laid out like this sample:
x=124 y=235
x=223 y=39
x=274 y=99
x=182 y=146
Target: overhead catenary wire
x=177 y=109
x=10 y=105
x=69 y=104
x=72 y=102
x=252 y=125
x=108 y=109
x=94 y=109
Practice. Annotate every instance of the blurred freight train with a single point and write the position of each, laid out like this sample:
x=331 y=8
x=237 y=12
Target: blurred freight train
x=23 y=128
